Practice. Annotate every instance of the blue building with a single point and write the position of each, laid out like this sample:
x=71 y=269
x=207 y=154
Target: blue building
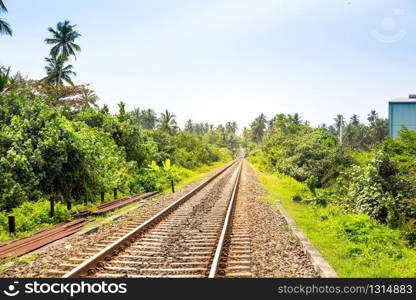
x=402 y=112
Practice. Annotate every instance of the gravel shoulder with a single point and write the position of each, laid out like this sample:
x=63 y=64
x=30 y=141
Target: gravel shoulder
x=275 y=251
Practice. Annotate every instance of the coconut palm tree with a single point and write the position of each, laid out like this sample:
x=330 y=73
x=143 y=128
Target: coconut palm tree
x=57 y=72
x=2 y=6
x=189 y=126
x=148 y=119
x=167 y=122
x=4 y=78
x=297 y=119
x=258 y=128
x=87 y=98
x=231 y=127
x=4 y=26
x=63 y=40
x=355 y=120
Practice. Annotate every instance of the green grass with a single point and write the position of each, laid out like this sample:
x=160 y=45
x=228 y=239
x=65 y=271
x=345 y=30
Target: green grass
x=353 y=245
x=191 y=176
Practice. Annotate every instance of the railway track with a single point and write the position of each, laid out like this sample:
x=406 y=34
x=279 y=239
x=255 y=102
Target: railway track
x=196 y=236
x=59 y=231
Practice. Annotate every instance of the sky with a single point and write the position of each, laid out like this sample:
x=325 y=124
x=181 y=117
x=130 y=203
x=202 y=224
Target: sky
x=217 y=61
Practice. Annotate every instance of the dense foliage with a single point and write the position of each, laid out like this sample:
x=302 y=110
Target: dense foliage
x=55 y=143
x=353 y=166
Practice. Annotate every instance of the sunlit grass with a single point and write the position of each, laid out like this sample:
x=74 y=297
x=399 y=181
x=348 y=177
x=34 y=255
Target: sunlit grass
x=377 y=252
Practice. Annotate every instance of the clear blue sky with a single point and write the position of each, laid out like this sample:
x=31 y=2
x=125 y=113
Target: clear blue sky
x=215 y=61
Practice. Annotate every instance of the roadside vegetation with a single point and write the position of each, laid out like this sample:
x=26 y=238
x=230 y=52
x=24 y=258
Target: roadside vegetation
x=57 y=143
x=348 y=186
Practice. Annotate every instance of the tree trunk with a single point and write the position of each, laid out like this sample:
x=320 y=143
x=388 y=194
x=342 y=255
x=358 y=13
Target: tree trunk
x=12 y=225
x=52 y=211
x=173 y=186
x=68 y=204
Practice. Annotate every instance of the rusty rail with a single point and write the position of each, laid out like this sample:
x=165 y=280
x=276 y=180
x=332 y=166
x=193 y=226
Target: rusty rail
x=59 y=231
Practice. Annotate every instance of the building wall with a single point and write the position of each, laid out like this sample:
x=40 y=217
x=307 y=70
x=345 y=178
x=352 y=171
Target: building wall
x=401 y=114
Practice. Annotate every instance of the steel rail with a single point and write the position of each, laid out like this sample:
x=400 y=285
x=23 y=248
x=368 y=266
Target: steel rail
x=123 y=242
x=227 y=224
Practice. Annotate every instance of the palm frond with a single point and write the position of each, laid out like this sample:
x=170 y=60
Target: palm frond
x=2 y=6
x=5 y=28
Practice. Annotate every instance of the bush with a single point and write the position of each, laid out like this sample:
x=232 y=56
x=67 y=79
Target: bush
x=35 y=215
x=297 y=198
x=410 y=235
x=311 y=182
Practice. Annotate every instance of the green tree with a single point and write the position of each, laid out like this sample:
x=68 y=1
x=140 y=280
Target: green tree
x=167 y=122
x=258 y=127
x=57 y=72
x=189 y=126
x=297 y=119
x=63 y=40
x=4 y=78
x=148 y=119
x=5 y=28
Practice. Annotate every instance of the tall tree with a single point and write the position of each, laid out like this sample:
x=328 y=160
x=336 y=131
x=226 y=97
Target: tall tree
x=167 y=122
x=372 y=117
x=258 y=127
x=4 y=78
x=148 y=119
x=57 y=72
x=89 y=97
x=297 y=119
x=189 y=126
x=355 y=120
x=339 y=124
x=4 y=26
x=63 y=40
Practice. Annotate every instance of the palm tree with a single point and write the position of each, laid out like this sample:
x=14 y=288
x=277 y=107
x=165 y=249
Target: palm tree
x=231 y=127
x=57 y=72
x=148 y=119
x=297 y=119
x=355 y=120
x=2 y=6
x=87 y=98
x=372 y=117
x=4 y=78
x=258 y=128
x=63 y=39
x=167 y=122
x=4 y=26
x=339 y=123
x=189 y=126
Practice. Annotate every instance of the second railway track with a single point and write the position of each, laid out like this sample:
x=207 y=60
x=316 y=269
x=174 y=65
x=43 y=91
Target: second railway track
x=194 y=237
